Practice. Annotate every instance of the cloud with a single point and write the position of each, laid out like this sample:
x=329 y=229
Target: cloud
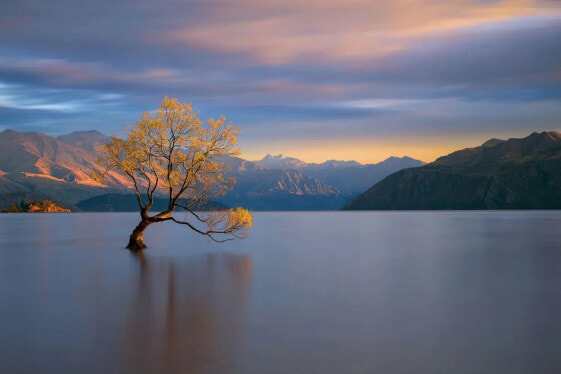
x=66 y=101
x=286 y=70
x=68 y=73
x=57 y=111
x=280 y=32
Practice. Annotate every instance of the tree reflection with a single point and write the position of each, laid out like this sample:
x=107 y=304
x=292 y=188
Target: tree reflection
x=188 y=315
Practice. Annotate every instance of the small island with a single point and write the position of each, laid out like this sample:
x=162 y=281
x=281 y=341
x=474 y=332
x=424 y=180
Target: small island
x=36 y=206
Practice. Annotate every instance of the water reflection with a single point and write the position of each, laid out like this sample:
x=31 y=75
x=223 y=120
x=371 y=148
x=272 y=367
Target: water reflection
x=187 y=316
x=432 y=292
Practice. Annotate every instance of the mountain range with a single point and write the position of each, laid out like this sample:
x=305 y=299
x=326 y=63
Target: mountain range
x=36 y=166
x=45 y=167
x=518 y=173
x=349 y=177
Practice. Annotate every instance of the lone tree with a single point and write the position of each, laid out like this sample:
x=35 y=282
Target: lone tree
x=172 y=153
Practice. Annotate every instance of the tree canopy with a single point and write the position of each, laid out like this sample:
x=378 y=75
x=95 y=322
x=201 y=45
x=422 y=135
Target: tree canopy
x=174 y=154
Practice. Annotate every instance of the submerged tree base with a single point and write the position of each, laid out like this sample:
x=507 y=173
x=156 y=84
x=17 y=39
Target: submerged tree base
x=135 y=245
x=136 y=240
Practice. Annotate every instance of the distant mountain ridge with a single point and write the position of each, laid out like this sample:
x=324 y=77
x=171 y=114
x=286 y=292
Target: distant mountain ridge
x=92 y=140
x=39 y=155
x=36 y=163
x=60 y=169
x=280 y=162
x=518 y=173
x=260 y=188
x=254 y=179
x=349 y=177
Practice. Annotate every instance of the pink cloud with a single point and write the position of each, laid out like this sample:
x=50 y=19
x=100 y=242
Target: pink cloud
x=70 y=73
x=278 y=32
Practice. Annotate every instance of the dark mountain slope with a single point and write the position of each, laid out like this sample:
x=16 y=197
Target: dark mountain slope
x=513 y=174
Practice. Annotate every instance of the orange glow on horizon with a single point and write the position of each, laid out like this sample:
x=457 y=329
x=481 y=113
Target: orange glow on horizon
x=365 y=152
x=368 y=151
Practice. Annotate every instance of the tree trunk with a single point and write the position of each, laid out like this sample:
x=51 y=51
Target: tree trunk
x=135 y=241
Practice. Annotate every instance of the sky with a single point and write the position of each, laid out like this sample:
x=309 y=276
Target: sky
x=317 y=80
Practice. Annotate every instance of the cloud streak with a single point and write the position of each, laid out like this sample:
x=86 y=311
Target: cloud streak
x=289 y=70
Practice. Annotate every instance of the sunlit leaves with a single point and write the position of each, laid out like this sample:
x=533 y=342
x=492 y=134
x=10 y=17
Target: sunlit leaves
x=173 y=152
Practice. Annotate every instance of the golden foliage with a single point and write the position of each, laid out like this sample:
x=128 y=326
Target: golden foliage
x=173 y=152
x=239 y=220
x=240 y=217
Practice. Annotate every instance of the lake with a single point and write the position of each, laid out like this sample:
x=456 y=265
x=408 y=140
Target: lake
x=306 y=292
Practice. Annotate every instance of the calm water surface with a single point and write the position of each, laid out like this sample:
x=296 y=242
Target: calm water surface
x=339 y=292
